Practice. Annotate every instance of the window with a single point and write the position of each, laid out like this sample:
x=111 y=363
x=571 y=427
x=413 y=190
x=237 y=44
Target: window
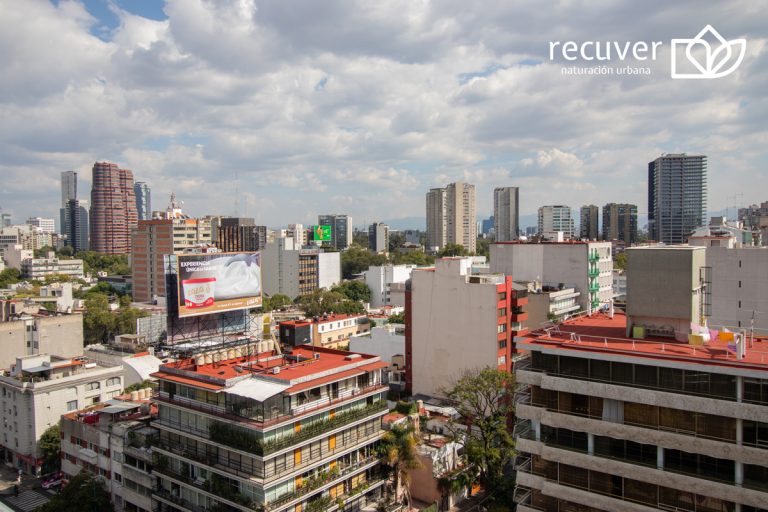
x=503 y=344
x=502 y=295
x=113 y=381
x=502 y=328
x=502 y=360
x=92 y=385
x=72 y=405
x=502 y=312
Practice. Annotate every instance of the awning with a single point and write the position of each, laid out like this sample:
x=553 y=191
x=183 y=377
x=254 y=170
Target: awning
x=257 y=389
x=118 y=408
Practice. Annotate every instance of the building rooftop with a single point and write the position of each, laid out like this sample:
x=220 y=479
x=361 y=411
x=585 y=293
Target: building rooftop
x=603 y=334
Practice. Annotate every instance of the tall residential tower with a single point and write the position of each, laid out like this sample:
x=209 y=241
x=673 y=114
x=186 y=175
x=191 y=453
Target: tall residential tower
x=113 y=209
x=677 y=196
x=506 y=213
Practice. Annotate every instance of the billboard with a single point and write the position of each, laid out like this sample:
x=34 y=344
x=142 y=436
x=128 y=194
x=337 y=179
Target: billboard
x=217 y=282
x=321 y=233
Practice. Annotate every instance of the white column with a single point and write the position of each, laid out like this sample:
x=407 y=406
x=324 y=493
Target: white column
x=660 y=457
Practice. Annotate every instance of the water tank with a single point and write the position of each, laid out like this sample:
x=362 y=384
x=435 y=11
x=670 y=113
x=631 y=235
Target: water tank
x=134 y=395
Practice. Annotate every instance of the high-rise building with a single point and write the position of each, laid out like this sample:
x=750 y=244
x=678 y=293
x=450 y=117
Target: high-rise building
x=151 y=240
x=68 y=187
x=291 y=270
x=436 y=226
x=378 y=237
x=588 y=222
x=677 y=196
x=143 y=200
x=341 y=229
x=271 y=431
x=5 y=220
x=69 y=193
x=556 y=218
x=236 y=234
x=75 y=220
x=506 y=213
x=456 y=319
x=113 y=209
x=43 y=224
x=620 y=222
x=486 y=226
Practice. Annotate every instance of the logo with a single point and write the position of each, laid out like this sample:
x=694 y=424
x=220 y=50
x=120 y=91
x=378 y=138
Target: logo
x=702 y=60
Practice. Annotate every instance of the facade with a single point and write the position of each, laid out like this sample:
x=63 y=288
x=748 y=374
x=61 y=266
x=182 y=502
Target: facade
x=547 y=305
x=143 y=200
x=61 y=335
x=294 y=271
x=506 y=213
x=378 y=237
x=755 y=218
x=151 y=240
x=113 y=209
x=68 y=187
x=240 y=234
x=75 y=219
x=276 y=432
x=456 y=320
x=677 y=196
x=112 y=440
x=46 y=225
x=436 y=215
x=38 y=390
x=588 y=220
x=620 y=223
x=606 y=422
x=585 y=266
x=335 y=331
x=388 y=343
x=556 y=218
x=39 y=268
x=341 y=229
x=380 y=280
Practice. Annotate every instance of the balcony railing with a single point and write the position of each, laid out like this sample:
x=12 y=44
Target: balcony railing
x=178 y=500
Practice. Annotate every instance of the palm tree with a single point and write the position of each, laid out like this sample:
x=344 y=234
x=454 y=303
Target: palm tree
x=398 y=452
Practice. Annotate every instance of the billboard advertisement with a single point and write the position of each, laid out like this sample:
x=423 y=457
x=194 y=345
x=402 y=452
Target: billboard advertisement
x=321 y=233
x=217 y=282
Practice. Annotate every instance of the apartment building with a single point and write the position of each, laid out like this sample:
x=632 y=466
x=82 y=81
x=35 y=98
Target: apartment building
x=335 y=331
x=677 y=196
x=113 y=209
x=278 y=432
x=609 y=422
x=236 y=234
x=620 y=223
x=452 y=216
x=588 y=222
x=295 y=271
x=28 y=335
x=378 y=237
x=37 y=390
x=506 y=214
x=585 y=266
x=341 y=229
x=112 y=440
x=555 y=218
x=39 y=268
x=456 y=320
x=380 y=280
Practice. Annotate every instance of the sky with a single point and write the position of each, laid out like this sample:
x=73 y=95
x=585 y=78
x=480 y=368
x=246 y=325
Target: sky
x=285 y=110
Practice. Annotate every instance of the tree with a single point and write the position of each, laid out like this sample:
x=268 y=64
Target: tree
x=112 y=264
x=361 y=238
x=146 y=383
x=321 y=302
x=483 y=247
x=483 y=401
x=50 y=444
x=621 y=261
x=354 y=290
x=452 y=250
x=83 y=493
x=98 y=320
x=43 y=251
x=9 y=276
x=67 y=251
x=357 y=259
x=276 y=301
x=396 y=240
x=398 y=452
x=397 y=318
x=411 y=258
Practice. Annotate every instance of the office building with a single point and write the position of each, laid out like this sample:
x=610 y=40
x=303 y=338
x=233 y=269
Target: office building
x=456 y=320
x=380 y=279
x=506 y=213
x=588 y=220
x=486 y=226
x=620 y=223
x=378 y=237
x=143 y=200
x=112 y=441
x=556 y=218
x=240 y=234
x=341 y=229
x=295 y=271
x=585 y=266
x=677 y=196
x=436 y=215
x=68 y=187
x=151 y=240
x=75 y=218
x=38 y=390
x=297 y=232
x=277 y=432
x=113 y=209
x=607 y=421
x=43 y=224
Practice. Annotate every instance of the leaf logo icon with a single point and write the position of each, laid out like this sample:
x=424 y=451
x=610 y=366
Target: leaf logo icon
x=709 y=61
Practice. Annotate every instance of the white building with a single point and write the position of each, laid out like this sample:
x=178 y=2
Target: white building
x=585 y=266
x=35 y=393
x=378 y=237
x=380 y=280
x=46 y=225
x=61 y=335
x=138 y=366
x=293 y=271
x=388 y=343
x=39 y=268
x=556 y=218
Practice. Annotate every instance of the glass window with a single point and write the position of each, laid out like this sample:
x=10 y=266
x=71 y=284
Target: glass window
x=72 y=405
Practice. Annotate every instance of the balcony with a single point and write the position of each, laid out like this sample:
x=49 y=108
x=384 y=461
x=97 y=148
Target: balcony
x=593 y=273
x=594 y=257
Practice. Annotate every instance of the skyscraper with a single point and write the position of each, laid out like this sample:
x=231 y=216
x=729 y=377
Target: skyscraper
x=341 y=229
x=113 y=209
x=436 y=218
x=620 y=222
x=76 y=220
x=68 y=187
x=236 y=234
x=556 y=218
x=588 y=222
x=506 y=213
x=143 y=200
x=677 y=196
x=378 y=237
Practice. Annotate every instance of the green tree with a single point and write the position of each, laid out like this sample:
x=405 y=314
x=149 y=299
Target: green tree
x=411 y=258
x=66 y=252
x=398 y=453
x=9 y=276
x=57 y=278
x=50 y=444
x=620 y=262
x=396 y=240
x=354 y=290
x=361 y=238
x=276 y=301
x=98 y=320
x=112 y=264
x=84 y=493
x=356 y=260
x=397 y=318
x=321 y=302
x=146 y=383
x=483 y=401
x=43 y=251
x=483 y=247
x=452 y=250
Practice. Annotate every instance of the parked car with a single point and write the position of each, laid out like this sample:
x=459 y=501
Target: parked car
x=53 y=480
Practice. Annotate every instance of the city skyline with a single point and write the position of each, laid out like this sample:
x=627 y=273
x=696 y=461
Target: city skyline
x=269 y=107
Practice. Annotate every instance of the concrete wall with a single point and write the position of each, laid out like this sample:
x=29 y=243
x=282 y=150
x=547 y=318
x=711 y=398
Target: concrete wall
x=329 y=269
x=58 y=335
x=379 y=279
x=739 y=286
x=454 y=325
x=280 y=268
x=381 y=342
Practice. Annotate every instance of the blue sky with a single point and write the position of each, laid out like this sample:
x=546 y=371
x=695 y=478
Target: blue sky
x=291 y=109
